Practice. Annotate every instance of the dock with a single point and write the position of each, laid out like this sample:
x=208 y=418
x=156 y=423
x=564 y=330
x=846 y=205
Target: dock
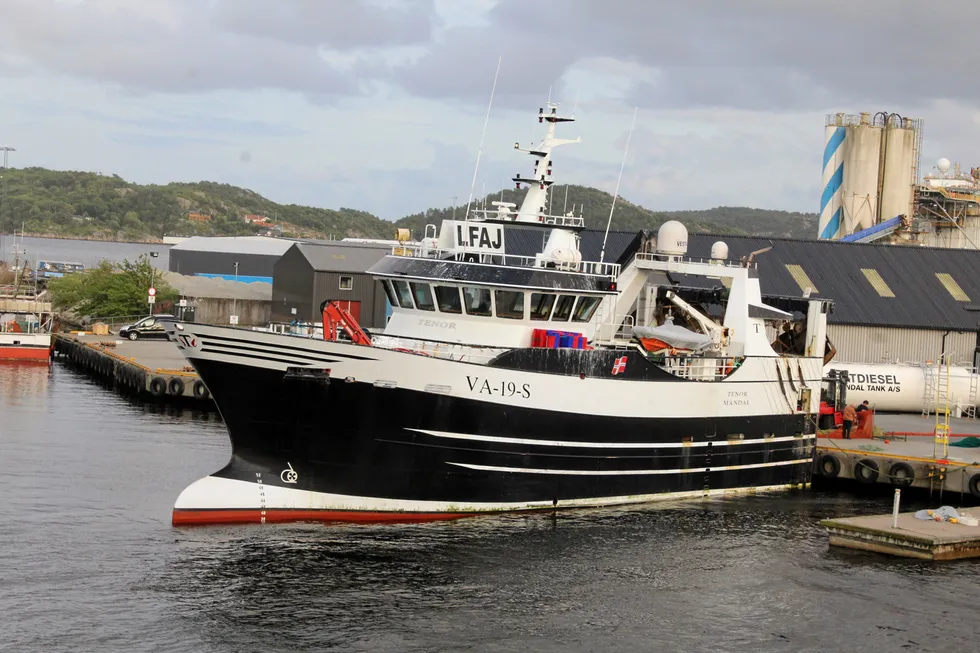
x=913 y=538
x=898 y=459
x=146 y=368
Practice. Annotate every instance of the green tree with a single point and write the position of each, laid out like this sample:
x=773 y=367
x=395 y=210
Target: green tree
x=110 y=289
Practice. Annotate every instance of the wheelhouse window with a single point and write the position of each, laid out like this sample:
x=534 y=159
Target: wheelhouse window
x=423 y=296
x=448 y=298
x=563 y=309
x=389 y=292
x=477 y=301
x=346 y=283
x=541 y=304
x=585 y=309
x=510 y=304
x=403 y=293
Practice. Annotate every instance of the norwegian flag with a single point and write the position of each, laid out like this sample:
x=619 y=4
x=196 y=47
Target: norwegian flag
x=620 y=366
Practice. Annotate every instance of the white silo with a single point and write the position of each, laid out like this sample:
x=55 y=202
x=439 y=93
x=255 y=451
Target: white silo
x=901 y=144
x=862 y=154
x=829 y=224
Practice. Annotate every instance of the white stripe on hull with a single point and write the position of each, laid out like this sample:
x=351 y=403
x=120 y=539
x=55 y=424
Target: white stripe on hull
x=607 y=445
x=213 y=493
x=626 y=472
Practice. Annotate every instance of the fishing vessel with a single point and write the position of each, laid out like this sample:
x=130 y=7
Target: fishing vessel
x=514 y=383
x=25 y=319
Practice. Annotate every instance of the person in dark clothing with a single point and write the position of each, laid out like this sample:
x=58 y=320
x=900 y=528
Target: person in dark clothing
x=863 y=407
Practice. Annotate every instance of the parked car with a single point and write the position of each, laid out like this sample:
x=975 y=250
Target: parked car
x=148 y=327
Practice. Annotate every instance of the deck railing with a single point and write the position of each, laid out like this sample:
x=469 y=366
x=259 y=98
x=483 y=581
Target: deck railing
x=593 y=268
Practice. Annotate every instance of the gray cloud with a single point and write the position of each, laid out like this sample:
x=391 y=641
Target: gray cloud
x=760 y=54
x=764 y=54
x=341 y=25
x=183 y=46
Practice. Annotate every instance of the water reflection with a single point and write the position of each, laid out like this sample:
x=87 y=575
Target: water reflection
x=19 y=379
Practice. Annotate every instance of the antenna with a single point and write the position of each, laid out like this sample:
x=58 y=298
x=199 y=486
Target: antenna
x=479 y=153
x=612 y=208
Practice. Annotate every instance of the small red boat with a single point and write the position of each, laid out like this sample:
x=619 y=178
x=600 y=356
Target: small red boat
x=25 y=329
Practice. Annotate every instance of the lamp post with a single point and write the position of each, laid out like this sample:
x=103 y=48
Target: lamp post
x=152 y=254
x=234 y=300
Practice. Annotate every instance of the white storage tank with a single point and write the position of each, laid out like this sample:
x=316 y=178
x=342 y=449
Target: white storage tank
x=900 y=142
x=862 y=154
x=897 y=388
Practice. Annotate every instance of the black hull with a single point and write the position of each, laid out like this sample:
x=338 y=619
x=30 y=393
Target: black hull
x=384 y=444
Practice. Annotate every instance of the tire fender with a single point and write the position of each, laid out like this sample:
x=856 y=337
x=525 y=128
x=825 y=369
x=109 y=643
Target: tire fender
x=901 y=474
x=828 y=466
x=176 y=386
x=158 y=387
x=866 y=471
x=200 y=390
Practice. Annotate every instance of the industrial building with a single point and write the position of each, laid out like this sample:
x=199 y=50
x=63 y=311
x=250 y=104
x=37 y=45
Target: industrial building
x=308 y=274
x=243 y=258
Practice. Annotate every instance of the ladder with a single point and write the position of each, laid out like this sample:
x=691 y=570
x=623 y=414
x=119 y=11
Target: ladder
x=929 y=401
x=971 y=401
x=940 y=448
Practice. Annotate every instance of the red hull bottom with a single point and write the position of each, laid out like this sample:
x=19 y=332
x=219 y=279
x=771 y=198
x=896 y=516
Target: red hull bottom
x=274 y=516
x=15 y=353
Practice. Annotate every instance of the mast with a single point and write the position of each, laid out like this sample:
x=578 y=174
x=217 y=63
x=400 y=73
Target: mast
x=534 y=207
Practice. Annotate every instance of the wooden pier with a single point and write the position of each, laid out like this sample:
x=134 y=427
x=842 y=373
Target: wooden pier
x=913 y=538
x=148 y=368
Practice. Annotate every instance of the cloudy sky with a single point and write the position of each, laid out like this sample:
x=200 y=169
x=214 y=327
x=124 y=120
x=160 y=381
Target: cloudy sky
x=380 y=104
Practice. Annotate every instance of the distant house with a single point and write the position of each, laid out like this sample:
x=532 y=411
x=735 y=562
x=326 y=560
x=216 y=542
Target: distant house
x=256 y=219
x=198 y=217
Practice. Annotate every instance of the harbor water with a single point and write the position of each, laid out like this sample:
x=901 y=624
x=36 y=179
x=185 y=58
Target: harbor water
x=90 y=562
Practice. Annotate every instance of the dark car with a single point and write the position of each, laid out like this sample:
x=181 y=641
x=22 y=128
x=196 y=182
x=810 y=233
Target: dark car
x=148 y=327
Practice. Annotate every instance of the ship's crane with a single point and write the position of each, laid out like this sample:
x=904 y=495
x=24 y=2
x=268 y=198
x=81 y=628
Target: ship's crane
x=337 y=317
x=719 y=334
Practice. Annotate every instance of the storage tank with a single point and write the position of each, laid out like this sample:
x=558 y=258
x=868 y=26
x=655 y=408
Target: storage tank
x=829 y=223
x=891 y=387
x=862 y=154
x=900 y=142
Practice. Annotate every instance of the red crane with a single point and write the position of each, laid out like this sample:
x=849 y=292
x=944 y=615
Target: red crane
x=335 y=316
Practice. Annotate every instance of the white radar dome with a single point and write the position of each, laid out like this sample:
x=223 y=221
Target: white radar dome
x=719 y=251
x=943 y=165
x=672 y=238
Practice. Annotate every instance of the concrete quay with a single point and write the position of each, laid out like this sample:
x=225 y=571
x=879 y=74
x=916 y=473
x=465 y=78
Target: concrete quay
x=901 y=460
x=912 y=538
x=148 y=368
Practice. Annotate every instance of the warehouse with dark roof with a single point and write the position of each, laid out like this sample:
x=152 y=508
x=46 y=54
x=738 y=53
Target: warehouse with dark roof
x=308 y=274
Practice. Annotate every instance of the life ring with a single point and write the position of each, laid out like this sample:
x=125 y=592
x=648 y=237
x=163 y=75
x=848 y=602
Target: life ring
x=176 y=386
x=974 y=485
x=866 y=471
x=201 y=390
x=828 y=466
x=158 y=387
x=901 y=474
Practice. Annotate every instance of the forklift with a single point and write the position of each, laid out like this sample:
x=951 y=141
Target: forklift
x=833 y=399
